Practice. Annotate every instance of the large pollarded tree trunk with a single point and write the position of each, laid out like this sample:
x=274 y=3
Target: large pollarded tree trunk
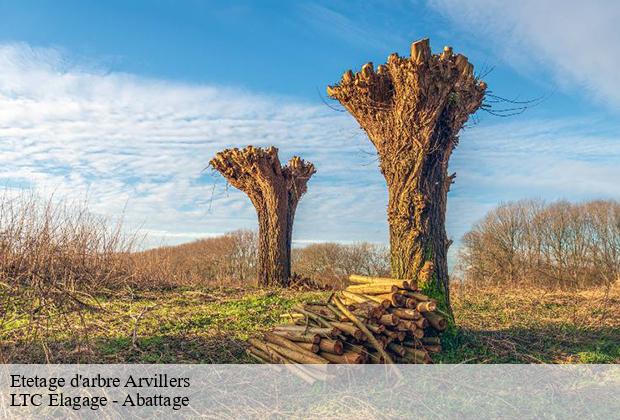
x=275 y=191
x=412 y=109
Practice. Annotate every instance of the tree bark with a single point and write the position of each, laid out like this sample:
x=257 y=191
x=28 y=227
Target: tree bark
x=412 y=109
x=275 y=191
x=416 y=219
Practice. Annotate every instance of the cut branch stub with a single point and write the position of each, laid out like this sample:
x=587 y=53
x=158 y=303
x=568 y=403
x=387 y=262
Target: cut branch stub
x=412 y=109
x=275 y=191
x=411 y=94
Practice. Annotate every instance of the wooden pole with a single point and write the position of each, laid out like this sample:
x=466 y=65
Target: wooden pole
x=293 y=351
x=349 y=357
x=299 y=336
x=330 y=332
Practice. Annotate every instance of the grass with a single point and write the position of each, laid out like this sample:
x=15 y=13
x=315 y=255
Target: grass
x=195 y=325
x=500 y=325
x=175 y=326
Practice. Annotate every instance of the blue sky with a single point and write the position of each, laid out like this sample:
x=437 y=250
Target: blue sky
x=124 y=102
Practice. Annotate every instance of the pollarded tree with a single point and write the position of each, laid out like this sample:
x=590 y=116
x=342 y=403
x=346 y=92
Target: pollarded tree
x=275 y=191
x=412 y=109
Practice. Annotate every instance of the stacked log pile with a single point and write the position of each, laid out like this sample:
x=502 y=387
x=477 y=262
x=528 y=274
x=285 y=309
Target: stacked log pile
x=375 y=320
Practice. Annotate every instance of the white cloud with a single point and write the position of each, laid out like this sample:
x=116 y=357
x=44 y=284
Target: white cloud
x=143 y=144
x=549 y=159
x=577 y=41
x=140 y=146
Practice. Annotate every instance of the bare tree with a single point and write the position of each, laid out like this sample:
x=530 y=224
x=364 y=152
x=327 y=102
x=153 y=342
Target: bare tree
x=558 y=245
x=412 y=110
x=275 y=191
x=332 y=263
x=228 y=260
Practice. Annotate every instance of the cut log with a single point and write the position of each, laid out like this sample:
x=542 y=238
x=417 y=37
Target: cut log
x=378 y=288
x=368 y=328
x=349 y=329
x=319 y=319
x=331 y=346
x=303 y=356
x=349 y=357
x=259 y=355
x=418 y=333
x=321 y=311
x=299 y=336
x=419 y=296
x=426 y=306
x=274 y=356
x=291 y=316
x=339 y=315
x=369 y=354
x=294 y=351
x=398 y=349
x=330 y=332
x=389 y=320
x=386 y=302
x=376 y=329
x=419 y=356
x=398 y=300
x=421 y=323
x=410 y=314
x=354 y=296
x=396 y=335
x=411 y=303
x=431 y=340
x=437 y=321
x=406 y=325
x=385 y=340
x=311 y=347
x=371 y=289
x=357 y=279
x=377 y=312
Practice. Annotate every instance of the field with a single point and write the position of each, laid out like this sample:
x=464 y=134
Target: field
x=73 y=290
x=196 y=325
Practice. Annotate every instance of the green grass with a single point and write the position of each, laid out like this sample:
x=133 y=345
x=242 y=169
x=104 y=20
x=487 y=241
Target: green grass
x=211 y=326
x=181 y=326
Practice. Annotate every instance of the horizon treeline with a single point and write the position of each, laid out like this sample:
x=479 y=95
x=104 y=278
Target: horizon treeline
x=231 y=259
x=59 y=247
x=555 y=245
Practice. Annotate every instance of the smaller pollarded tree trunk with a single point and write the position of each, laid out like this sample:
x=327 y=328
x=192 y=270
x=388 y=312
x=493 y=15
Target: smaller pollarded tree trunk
x=275 y=191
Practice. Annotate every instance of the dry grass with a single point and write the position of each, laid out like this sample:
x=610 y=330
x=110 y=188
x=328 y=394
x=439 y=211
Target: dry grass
x=210 y=326
x=530 y=325
x=57 y=261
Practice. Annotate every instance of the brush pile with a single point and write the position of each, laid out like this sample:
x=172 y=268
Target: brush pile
x=375 y=320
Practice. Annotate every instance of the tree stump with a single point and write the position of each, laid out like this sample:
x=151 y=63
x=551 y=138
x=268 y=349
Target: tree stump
x=275 y=191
